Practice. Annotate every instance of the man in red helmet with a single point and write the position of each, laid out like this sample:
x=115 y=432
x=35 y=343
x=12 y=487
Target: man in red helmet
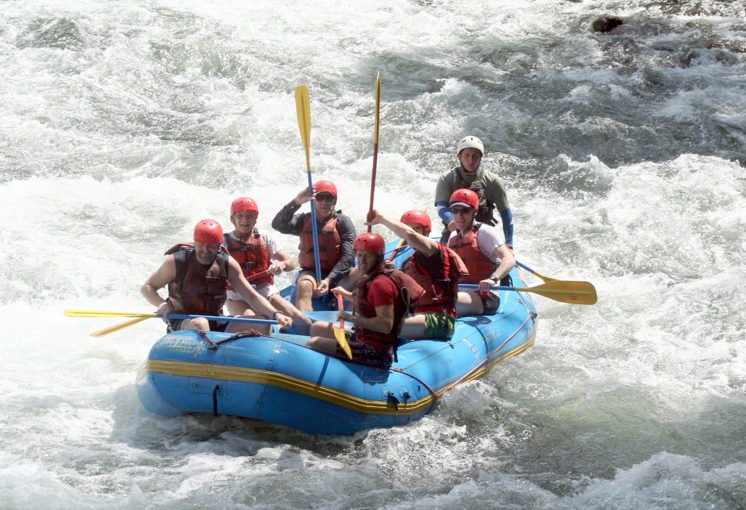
x=255 y=250
x=435 y=267
x=488 y=187
x=378 y=310
x=483 y=250
x=336 y=237
x=197 y=277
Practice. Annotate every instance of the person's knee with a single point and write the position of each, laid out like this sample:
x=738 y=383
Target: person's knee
x=320 y=329
x=306 y=284
x=198 y=324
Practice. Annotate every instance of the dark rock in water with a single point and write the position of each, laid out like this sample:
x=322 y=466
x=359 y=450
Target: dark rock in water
x=606 y=23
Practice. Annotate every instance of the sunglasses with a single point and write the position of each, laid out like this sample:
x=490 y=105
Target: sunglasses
x=325 y=197
x=460 y=210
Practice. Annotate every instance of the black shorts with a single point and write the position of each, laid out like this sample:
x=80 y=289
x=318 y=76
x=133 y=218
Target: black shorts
x=364 y=353
x=490 y=303
x=176 y=324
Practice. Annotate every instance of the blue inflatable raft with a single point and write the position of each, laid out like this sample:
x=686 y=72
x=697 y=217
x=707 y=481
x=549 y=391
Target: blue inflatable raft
x=278 y=379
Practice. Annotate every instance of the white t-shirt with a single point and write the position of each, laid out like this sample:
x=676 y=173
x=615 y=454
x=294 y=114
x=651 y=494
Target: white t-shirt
x=488 y=239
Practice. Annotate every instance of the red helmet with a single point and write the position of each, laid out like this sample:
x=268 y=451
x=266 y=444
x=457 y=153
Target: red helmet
x=325 y=187
x=208 y=232
x=370 y=242
x=244 y=204
x=418 y=217
x=465 y=197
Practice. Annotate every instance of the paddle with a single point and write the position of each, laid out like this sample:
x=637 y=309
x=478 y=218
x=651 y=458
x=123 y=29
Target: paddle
x=121 y=325
x=99 y=314
x=375 y=145
x=576 y=293
x=545 y=278
x=303 y=105
x=339 y=333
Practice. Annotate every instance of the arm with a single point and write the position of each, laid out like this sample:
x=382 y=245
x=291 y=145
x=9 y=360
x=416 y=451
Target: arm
x=257 y=303
x=507 y=218
x=162 y=277
x=443 y=191
x=284 y=262
x=507 y=262
x=498 y=195
x=383 y=322
x=421 y=243
x=286 y=221
x=444 y=213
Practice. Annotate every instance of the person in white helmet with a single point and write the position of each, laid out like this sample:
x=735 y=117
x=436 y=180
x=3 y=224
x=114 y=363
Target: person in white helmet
x=470 y=175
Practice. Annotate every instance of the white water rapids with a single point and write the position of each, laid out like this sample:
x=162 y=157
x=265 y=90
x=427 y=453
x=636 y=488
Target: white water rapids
x=124 y=123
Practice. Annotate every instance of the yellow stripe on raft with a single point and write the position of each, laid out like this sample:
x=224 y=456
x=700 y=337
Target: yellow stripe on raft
x=309 y=389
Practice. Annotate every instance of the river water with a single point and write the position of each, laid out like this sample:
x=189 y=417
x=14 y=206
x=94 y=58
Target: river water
x=124 y=123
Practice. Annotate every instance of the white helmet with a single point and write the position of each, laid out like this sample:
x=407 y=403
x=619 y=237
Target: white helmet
x=470 y=142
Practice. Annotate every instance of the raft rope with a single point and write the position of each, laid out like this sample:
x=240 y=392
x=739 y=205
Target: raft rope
x=531 y=315
x=437 y=395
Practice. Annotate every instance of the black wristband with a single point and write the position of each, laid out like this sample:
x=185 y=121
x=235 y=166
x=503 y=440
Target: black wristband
x=274 y=315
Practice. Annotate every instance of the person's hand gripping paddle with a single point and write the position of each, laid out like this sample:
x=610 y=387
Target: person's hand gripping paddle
x=339 y=333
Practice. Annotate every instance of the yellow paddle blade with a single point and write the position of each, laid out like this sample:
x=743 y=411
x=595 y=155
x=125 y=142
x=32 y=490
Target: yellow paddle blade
x=98 y=313
x=342 y=339
x=303 y=104
x=577 y=293
x=112 y=329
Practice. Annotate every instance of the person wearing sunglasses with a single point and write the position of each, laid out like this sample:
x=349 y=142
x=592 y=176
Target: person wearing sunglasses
x=489 y=188
x=336 y=234
x=483 y=250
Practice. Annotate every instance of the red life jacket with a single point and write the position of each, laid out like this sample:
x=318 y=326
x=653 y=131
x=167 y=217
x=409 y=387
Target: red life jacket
x=480 y=266
x=251 y=255
x=330 y=246
x=198 y=289
x=439 y=275
x=409 y=292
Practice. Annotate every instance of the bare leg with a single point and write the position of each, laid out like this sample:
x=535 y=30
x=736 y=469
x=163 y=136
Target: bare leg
x=236 y=308
x=413 y=328
x=198 y=324
x=469 y=303
x=322 y=328
x=300 y=321
x=323 y=344
x=304 y=293
x=236 y=327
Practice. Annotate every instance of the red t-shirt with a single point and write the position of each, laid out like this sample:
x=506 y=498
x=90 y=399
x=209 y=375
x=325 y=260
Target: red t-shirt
x=382 y=291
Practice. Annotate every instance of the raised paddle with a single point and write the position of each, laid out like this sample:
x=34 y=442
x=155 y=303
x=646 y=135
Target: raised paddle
x=339 y=333
x=576 y=293
x=303 y=104
x=375 y=145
